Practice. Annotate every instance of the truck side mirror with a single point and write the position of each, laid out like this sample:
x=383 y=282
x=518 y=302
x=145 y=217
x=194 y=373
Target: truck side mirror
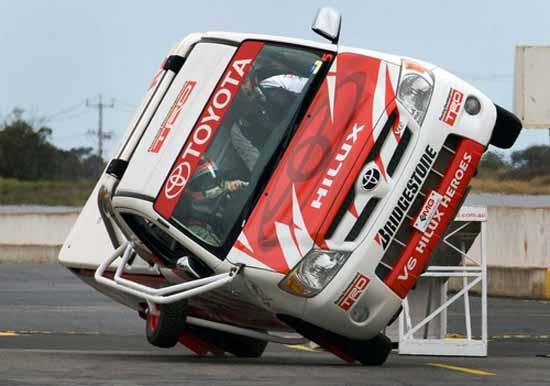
x=327 y=23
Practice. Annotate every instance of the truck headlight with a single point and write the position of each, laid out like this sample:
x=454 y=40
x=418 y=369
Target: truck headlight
x=313 y=272
x=415 y=89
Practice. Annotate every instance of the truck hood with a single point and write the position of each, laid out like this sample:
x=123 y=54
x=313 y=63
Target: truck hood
x=320 y=165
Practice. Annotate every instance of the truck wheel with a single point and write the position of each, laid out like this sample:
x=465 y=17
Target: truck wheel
x=243 y=346
x=506 y=130
x=238 y=345
x=164 y=327
x=373 y=352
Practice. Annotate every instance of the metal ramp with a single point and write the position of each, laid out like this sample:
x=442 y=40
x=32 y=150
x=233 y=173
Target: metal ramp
x=461 y=261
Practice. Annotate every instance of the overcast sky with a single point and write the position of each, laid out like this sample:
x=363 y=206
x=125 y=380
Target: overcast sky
x=57 y=53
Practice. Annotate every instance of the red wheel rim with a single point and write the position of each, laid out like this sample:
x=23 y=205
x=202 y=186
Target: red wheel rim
x=152 y=322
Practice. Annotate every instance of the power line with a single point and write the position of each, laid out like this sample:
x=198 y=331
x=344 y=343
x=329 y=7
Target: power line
x=125 y=110
x=69 y=117
x=64 y=111
x=126 y=104
x=101 y=135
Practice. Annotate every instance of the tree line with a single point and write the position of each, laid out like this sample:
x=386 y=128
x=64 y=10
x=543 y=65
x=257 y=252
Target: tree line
x=526 y=164
x=26 y=153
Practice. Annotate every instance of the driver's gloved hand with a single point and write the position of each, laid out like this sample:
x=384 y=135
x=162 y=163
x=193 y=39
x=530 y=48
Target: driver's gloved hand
x=235 y=185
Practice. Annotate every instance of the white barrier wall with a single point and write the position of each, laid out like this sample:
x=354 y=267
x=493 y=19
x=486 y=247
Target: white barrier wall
x=518 y=237
x=518 y=229
x=48 y=226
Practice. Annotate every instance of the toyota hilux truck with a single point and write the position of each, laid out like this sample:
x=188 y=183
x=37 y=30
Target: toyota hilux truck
x=272 y=189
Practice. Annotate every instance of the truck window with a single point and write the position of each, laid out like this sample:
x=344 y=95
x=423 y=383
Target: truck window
x=253 y=132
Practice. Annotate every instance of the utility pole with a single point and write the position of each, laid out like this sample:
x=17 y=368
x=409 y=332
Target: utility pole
x=101 y=135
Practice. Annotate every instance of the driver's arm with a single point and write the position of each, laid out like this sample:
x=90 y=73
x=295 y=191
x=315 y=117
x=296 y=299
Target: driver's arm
x=235 y=185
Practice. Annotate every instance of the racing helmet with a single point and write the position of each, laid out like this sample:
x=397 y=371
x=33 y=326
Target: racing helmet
x=206 y=183
x=251 y=100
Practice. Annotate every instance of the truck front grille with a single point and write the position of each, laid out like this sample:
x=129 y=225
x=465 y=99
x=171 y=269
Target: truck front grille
x=362 y=219
x=357 y=227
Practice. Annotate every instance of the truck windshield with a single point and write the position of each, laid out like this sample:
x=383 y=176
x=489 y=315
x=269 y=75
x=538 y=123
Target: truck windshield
x=254 y=132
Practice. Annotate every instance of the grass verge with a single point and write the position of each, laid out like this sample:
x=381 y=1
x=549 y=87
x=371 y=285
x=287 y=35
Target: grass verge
x=75 y=193
x=535 y=186
x=65 y=193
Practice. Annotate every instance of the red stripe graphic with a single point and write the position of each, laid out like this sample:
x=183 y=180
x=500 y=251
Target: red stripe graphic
x=391 y=105
x=390 y=93
x=353 y=210
x=321 y=163
x=380 y=164
x=205 y=128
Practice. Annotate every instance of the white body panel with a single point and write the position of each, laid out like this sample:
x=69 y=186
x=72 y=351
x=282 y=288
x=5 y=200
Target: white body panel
x=148 y=170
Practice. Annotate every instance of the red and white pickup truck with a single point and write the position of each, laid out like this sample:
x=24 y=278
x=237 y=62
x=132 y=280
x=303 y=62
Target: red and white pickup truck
x=270 y=184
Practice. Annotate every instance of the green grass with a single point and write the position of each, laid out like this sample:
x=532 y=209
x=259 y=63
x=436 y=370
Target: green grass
x=499 y=184
x=75 y=193
x=66 y=193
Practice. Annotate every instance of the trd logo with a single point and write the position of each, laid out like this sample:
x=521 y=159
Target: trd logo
x=353 y=292
x=452 y=107
x=172 y=116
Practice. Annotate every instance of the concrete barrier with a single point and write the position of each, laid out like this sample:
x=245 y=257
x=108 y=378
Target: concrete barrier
x=518 y=245
x=518 y=240
x=516 y=282
x=10 y=253
x=34 y=233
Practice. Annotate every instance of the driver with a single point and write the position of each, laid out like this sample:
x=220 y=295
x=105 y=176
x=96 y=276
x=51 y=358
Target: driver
x=203 y=196
x=262 y=105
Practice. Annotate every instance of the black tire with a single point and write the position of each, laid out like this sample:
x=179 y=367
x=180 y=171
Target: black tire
x=238 y=345
x=506 y=130
x=373 y=352
x=163 y=330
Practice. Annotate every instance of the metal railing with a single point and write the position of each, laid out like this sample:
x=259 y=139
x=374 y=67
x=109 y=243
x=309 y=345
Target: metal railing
x=164 y=295
x=473 y=271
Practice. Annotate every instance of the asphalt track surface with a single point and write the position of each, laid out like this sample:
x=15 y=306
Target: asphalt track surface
x=55 y=330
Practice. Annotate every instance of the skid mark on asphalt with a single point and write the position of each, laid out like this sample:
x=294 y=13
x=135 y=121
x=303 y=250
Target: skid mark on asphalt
x=461 y=369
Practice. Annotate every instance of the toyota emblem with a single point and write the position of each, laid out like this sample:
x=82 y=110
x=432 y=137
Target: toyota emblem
x=177 y=180
x=370 y=179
